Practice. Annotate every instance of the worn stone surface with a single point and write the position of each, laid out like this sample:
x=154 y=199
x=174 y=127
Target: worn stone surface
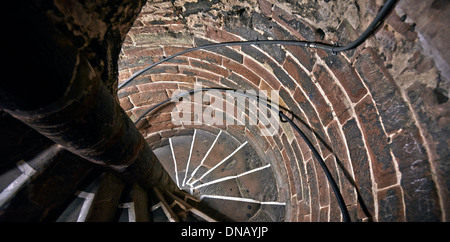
x=377 y=142
x=360 y=163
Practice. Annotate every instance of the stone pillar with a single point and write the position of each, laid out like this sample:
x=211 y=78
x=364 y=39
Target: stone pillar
x=60 y=92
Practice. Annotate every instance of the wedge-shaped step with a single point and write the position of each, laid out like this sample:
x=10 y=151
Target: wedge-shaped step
x=15 y=179
x=79 y=208
x=45 y=195
x=165 y=156
x=202 y=143
x=133 y=207
x=229 y=179
x=181 y=152
x=220 y=151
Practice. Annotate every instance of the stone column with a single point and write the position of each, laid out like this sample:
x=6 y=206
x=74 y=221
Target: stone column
x=60 y=92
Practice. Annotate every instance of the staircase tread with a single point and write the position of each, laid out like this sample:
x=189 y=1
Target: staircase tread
x=232 y=170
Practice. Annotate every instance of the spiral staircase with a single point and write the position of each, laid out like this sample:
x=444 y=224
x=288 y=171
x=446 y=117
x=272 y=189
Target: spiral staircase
x=219 y=179
x=73 y=149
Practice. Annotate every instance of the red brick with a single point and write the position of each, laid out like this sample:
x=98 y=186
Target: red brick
x=401 y=27
x=146 y=98
x=307 y=218
x=323 y=214
x=199 y=73
x=303 y=210
x=322 y=181
x=306 y=151
x=304 y=56
x=159 y=118
x=266 y=7
x=302 y=176
x=126 y=91
x=289 y=172
x=293 y=163
x=126 y=104
x=140 y=110
x=242 y=70
x=393 y=109
x=150 y=139
x=296 y=72
x=263 y=73
x=123 y=75
x=390 y=205
x=265 y=87
x=172 y=78
x=420 y=192
x=143 y=51
x=315 y=97
x=335 y=211
x=205 y=56
x=336 y=96
x=171 y=50
x=220 y=35
x=360 y=164
x=345 y=35
x=154 y=86
x=377 y=143
x=316 y=126
x=163 y=68
x=167 y=27
x=313 y=190
x=164 y=22
x=294 y=209
x=153 y=128
x=347 y=76
x=146 y=29
x=198 y=54
x=209 y=67
x=296 y=26
x=342 y=158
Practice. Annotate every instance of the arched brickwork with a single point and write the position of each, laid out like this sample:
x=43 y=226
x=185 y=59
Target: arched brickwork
x=377 y=114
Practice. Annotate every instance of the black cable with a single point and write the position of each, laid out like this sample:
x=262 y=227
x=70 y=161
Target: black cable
x=334 y=49
x=177 y=97
x=387 y=7
x=232 y=43
x=283 y=118
x=334 y=186
x=384 y=11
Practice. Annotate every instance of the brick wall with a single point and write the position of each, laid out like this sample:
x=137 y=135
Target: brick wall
x=378 y=114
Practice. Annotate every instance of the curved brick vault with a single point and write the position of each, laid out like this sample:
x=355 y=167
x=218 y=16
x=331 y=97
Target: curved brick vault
x=377 y=114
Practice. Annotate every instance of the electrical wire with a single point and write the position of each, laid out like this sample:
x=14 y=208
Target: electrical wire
x=384 y=11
